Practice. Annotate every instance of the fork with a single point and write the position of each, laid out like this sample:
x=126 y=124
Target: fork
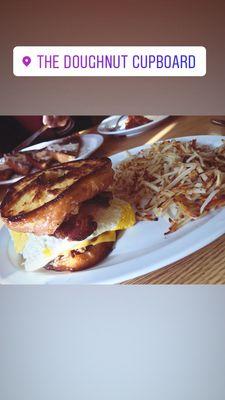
x=31 y=138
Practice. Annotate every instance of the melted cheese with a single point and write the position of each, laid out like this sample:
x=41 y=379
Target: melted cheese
x=19 y=240
x=103 y=238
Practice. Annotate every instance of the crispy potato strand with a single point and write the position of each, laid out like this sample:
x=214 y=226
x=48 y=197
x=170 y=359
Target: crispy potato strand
x=178 y=180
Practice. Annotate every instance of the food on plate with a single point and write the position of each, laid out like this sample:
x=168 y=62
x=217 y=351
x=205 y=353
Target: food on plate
x=66 y=149
x=40 y=159
x=27 y=161
x=40 y=202
x=23 y=163
x=65 y=218
x=181 y=181
x=133 y=121
x=5 y=172
x=18 y=162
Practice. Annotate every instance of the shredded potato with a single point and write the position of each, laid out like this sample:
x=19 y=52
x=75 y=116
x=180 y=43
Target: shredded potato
x=178 y=180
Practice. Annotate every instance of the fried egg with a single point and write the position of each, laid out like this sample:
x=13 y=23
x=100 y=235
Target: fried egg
x=37 y=251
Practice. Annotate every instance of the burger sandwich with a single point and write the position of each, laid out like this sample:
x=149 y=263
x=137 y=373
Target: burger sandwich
x=65 y=217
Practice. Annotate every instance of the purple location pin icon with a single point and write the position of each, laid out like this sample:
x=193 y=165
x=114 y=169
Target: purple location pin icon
x=26 y=60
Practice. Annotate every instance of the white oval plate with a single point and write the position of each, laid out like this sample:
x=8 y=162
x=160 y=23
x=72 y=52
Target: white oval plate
x=109 y=122
x=89 y=143
x=141 y=249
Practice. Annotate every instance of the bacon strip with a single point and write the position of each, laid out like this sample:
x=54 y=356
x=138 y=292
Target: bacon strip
x=76 y=227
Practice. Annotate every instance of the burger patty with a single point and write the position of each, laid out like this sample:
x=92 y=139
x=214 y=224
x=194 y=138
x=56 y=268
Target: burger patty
x=80 y=226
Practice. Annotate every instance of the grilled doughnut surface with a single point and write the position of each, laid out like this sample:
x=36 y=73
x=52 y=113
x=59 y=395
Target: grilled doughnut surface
x=40 y=202
x=79 y=260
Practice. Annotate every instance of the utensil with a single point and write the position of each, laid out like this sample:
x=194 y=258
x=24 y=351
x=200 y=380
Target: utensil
x=115 y=127
x=31 y=138
x=60 y=132
x=220 y=122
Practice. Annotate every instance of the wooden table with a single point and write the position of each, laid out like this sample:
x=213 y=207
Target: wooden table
x=206 y=266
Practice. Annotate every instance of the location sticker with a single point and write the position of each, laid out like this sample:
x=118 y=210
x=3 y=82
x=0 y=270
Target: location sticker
x=26 y=60
x=115 y=61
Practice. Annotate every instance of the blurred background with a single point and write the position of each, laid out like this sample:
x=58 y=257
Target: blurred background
x=15 y=129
